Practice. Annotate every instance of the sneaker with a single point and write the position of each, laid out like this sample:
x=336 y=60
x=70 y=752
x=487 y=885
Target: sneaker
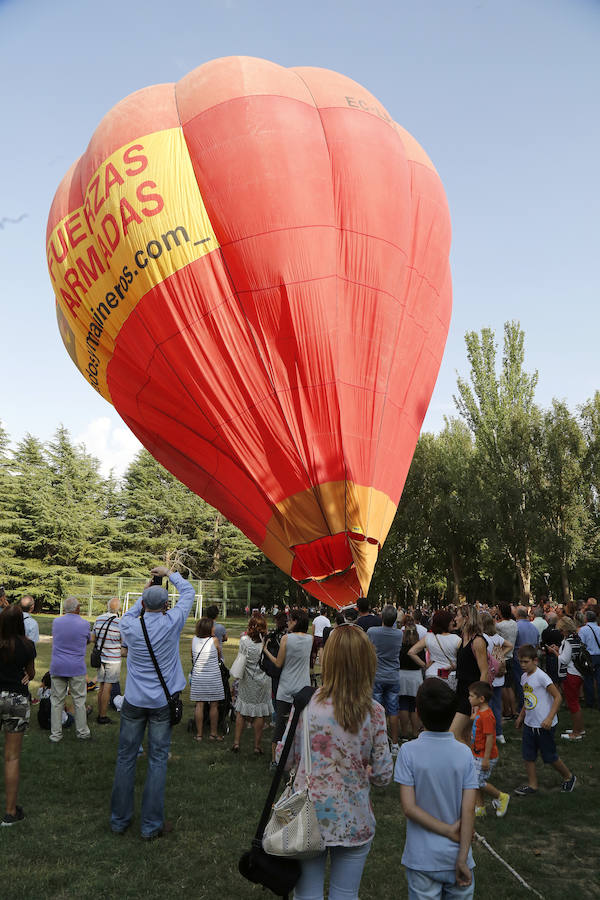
x=501 y=804
x=12 y=820
x=272 y=766
x=104 y=720
x=570 y=731
x=395 y=749
x=569 y=736
x=525 y=790
x=500 y=739
x=480 y=812
x=566 y=787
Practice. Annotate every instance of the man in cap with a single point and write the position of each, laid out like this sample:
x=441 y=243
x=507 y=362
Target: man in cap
x=145 y=702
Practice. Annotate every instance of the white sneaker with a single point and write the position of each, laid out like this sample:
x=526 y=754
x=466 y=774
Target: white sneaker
x=395 y=748
x=500 y=739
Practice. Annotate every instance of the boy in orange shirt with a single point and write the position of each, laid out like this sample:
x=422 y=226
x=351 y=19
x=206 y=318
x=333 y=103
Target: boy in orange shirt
x=485 y=751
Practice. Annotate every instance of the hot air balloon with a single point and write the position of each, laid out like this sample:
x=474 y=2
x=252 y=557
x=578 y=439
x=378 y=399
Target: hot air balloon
x=251 y=265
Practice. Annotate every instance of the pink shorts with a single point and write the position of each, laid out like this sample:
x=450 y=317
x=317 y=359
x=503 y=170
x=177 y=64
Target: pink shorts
x=571 y=686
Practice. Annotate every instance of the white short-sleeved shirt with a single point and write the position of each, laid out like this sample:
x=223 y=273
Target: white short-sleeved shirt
x=538 y=701
x=320 y=622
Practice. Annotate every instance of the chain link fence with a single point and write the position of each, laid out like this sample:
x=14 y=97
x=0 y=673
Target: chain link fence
x=94 y=592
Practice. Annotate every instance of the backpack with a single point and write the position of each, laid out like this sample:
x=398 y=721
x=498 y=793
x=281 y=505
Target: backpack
x=582 y=660
x=272 y=644
x=496 y=663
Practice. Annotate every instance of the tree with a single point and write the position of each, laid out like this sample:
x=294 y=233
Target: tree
x=410 y=559
x=456 y=507
x=565 y=514
x=505 y=422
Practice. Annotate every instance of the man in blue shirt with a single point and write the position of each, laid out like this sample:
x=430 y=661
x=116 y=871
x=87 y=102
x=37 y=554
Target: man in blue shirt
x=589 y=635
x=527 y=633
x=145 y=702
x=387 y=641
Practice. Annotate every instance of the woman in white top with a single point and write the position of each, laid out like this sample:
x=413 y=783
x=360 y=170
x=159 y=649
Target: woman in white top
x=441 y=646
x=499 y=647
x=506 y=627
x=569 y=675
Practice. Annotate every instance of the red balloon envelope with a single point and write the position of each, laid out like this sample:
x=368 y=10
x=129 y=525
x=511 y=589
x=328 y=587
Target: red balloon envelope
x=252 y=266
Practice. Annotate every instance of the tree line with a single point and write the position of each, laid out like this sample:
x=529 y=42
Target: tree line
x=505 y=500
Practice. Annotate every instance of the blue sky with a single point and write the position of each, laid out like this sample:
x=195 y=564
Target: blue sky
x=502 y=95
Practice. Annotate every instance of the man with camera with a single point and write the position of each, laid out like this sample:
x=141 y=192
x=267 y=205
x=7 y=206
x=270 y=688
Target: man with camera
x=145 y=700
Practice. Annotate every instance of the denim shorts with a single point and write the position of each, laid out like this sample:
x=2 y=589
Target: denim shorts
x=14 y=711
x=537 y=740
x=386 y=693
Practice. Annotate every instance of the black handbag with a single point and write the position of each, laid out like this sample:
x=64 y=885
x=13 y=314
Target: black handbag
x=174 y=701
x=278 y=874
x=96 y=654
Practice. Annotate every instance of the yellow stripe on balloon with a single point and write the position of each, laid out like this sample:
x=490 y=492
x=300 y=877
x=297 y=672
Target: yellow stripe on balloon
x=142 y=220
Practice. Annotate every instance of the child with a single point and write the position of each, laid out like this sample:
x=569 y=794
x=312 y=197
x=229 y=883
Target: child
x=437 y=791
x=542 y=701
x=485 y=751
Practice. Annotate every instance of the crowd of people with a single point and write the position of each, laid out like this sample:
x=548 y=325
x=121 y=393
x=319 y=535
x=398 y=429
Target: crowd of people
x=421 y=697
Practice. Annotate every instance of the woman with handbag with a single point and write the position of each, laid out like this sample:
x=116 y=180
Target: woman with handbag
x=254 y=689
x=349 y=751
x=206 y=684
x=442 y=647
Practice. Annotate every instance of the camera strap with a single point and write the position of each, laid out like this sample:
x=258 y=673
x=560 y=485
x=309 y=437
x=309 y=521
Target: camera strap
x=154 y=660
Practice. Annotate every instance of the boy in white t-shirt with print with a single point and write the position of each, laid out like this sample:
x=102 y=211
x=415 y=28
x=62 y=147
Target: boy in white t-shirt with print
x=542 y=702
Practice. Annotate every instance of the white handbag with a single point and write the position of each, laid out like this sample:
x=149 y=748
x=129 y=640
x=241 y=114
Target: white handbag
x=238 y=667
x=293 y=829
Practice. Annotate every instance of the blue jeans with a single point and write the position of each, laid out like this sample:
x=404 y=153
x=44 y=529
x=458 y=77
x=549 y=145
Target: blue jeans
x=496 y=707
x=133 y=725
x=436 y=886
x=588 y=683
x=347 y=864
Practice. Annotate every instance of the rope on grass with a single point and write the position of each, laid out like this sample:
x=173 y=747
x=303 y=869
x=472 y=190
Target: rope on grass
x=522 y=881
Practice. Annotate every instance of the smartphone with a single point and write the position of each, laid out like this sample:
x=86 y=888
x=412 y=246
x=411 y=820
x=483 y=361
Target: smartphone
x=157 y=579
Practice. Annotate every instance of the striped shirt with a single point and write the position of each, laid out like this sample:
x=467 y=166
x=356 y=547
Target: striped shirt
x=111 y=649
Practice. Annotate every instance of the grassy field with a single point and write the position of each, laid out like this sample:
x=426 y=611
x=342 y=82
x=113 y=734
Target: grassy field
x=65 y=849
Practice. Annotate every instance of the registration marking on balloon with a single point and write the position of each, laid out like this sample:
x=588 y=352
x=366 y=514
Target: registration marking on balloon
x=142 y=219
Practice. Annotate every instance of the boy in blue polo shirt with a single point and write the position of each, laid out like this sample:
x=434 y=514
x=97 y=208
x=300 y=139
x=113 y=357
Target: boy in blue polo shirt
x=438 y=788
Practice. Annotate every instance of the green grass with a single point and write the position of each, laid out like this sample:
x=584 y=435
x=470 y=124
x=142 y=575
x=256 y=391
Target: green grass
x=64 y=848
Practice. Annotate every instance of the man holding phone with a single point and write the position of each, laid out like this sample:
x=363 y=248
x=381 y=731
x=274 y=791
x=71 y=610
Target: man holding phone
x=145 y=701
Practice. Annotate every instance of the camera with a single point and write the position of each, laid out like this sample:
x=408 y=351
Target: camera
x=156 y=579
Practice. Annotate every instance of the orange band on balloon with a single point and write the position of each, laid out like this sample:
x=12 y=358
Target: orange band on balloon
x=141 y=221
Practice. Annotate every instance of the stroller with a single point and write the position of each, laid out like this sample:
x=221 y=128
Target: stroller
x=226 y=709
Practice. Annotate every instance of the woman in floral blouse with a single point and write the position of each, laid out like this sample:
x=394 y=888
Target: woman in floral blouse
x=350 y=751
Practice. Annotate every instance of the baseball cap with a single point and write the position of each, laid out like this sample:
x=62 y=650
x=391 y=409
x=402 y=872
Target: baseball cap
x=155 y=596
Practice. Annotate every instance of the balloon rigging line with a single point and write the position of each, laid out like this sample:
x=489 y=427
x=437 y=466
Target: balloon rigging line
x=513 y=872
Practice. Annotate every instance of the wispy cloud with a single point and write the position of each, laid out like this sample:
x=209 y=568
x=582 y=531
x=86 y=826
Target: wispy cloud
x=114 y=446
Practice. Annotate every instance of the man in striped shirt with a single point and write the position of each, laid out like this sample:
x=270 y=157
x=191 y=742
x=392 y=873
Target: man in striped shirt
x=107 y=634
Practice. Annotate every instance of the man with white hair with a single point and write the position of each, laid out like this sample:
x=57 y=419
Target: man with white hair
x=68 y=669
x=106 y=633
x=145 y=702
x=32 y=629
